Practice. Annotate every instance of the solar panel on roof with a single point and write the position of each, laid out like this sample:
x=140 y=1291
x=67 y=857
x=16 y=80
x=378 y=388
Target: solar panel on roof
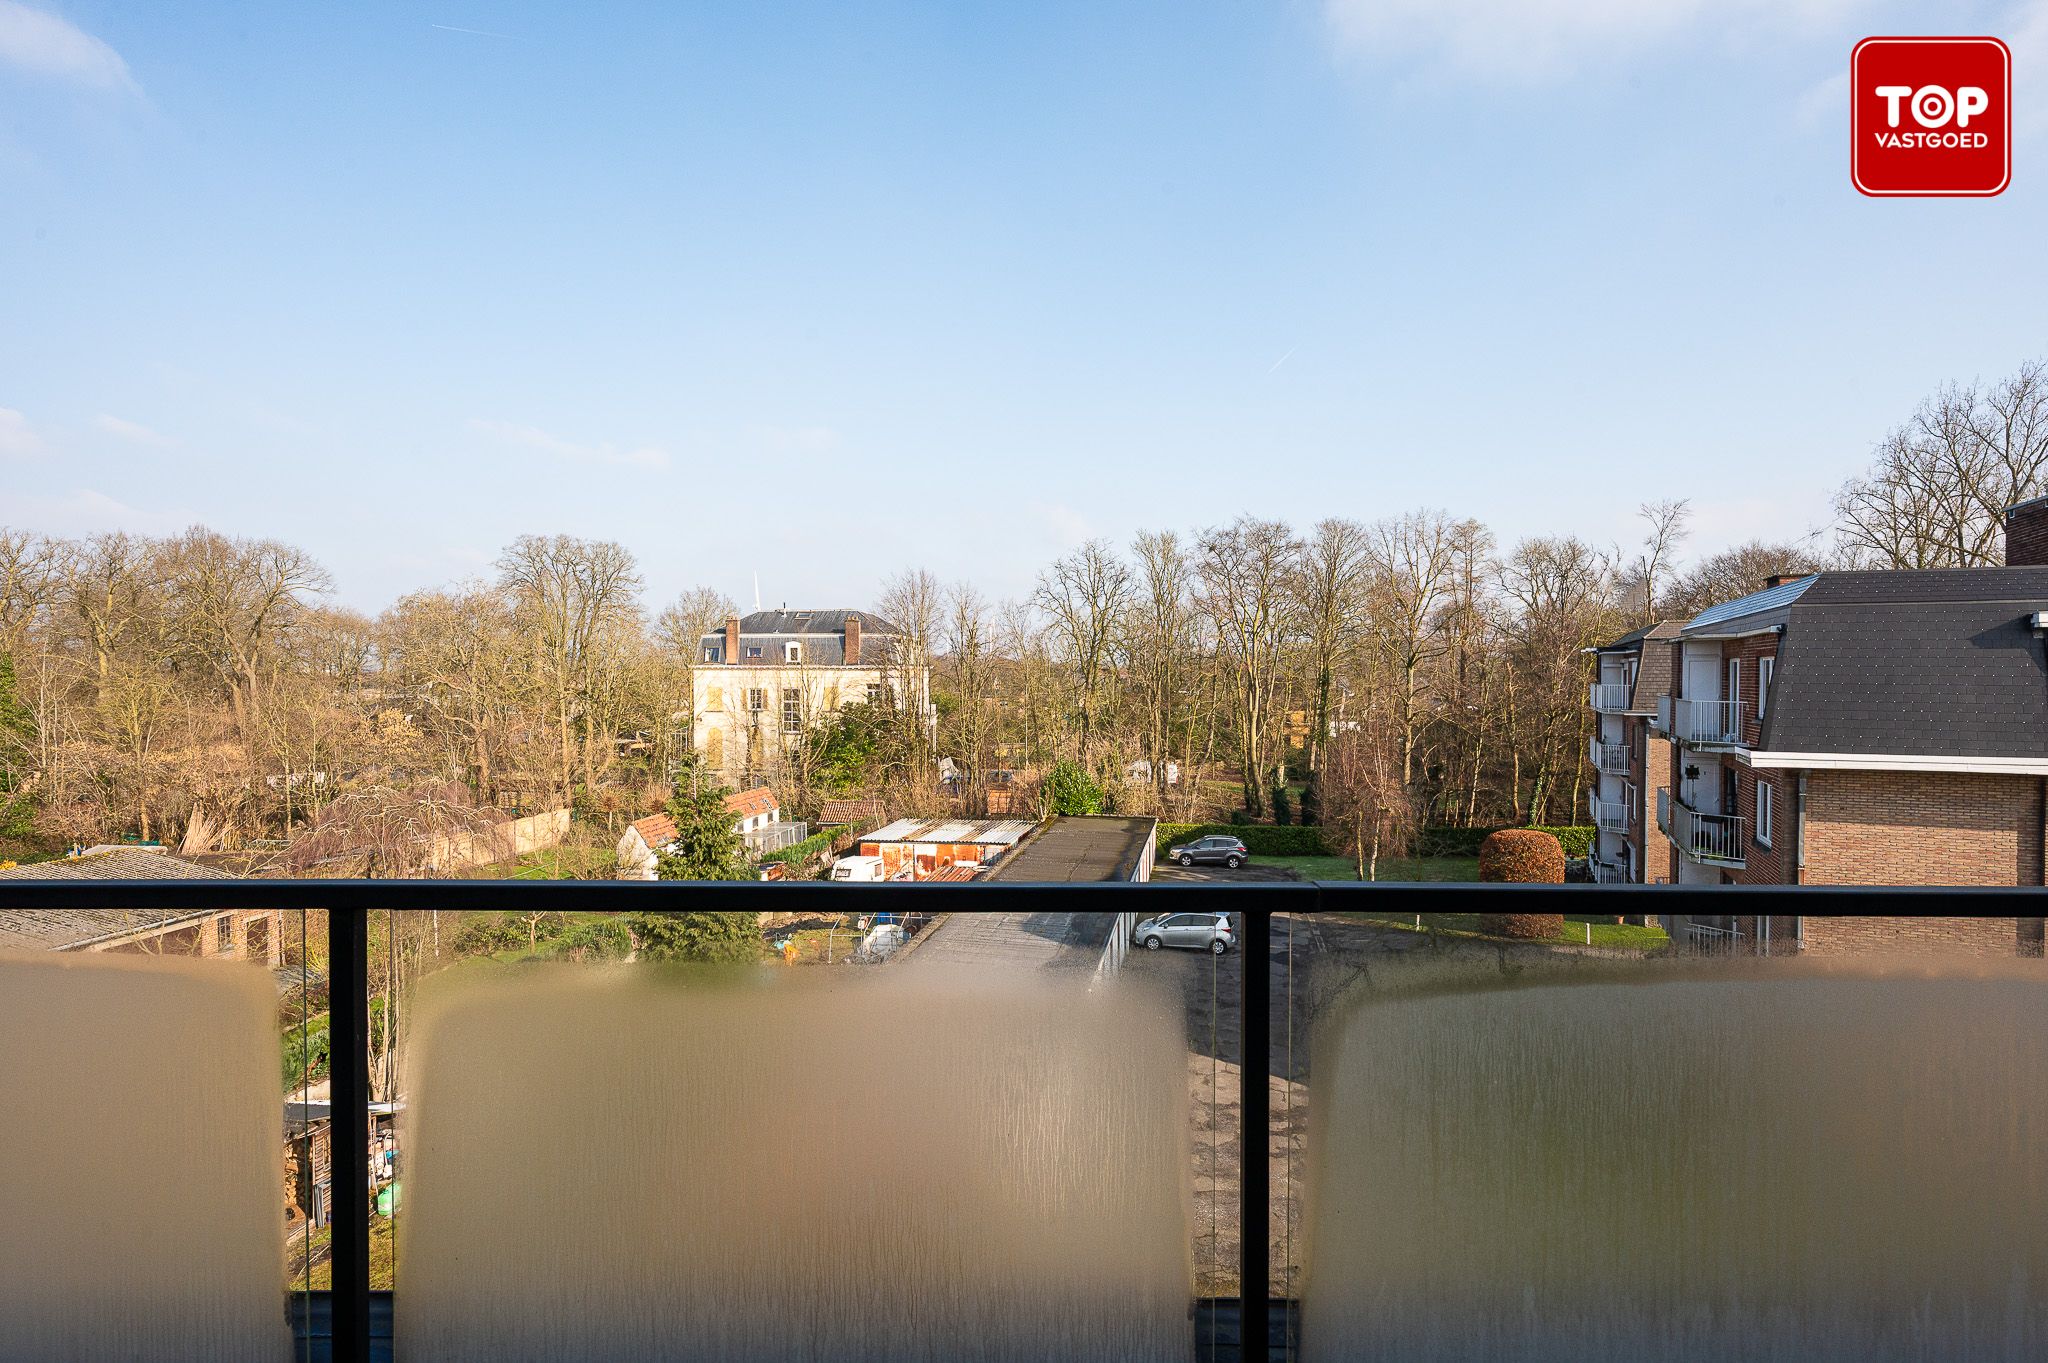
x=1784 y=594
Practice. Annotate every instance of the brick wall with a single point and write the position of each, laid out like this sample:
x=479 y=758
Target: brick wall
x=2026 y=534
x=1746 y=652
x=1649 y=767
x=1775 y=864
x=1922 y=828
x=1946 y=936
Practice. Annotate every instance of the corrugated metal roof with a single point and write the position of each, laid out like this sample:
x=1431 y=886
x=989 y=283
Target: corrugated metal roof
x=1003 y=831
x=1770 y=598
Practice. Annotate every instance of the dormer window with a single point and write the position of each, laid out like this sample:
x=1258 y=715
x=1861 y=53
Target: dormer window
x=710 y=655
x=753 y=650
x=792 y=652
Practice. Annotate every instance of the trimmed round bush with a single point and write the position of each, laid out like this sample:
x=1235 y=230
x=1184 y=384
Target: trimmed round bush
x=1521 y=856
x=1523 y=927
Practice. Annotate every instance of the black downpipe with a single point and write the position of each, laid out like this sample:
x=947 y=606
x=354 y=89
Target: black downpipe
x=1254 y=1168
x=348 y=1016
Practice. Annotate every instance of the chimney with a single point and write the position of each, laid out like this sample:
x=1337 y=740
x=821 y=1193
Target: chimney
x=852 y=639
x=2026 y=534
x=732 y=640
x=1779 y=580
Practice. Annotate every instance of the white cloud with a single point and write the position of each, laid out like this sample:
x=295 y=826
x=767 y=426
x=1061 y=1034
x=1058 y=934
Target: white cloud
x=534 y=438
x=38 y=41
x=132 y=430
x=17 y=437
x=87 y=511
x=1827 y=102
x=1536 y=39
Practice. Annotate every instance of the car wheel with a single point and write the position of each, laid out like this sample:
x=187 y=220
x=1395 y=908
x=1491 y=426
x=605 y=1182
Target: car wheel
x=1217 y=946
x=1233 y=862
x=1187 y=859
x=1153 y=944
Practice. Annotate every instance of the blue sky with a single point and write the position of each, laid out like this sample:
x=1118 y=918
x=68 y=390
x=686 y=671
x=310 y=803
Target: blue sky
x=826 y=291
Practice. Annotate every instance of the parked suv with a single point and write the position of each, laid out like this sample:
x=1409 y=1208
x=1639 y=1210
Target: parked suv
x=1199 y=931
x=1218 y=849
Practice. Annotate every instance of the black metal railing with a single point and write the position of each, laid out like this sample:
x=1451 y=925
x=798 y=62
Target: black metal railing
x=349 y=1309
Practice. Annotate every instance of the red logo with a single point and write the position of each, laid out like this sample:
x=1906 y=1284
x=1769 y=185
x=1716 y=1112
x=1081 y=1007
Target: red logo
x=1930 y=116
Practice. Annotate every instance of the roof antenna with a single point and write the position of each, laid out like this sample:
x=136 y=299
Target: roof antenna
x=757 y=590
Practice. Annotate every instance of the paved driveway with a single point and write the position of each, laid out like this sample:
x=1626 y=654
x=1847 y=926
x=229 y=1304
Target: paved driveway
x=1029 y=941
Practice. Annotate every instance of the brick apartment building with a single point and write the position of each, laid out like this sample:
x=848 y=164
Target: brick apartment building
x=1630 y=767
x=1866 y=728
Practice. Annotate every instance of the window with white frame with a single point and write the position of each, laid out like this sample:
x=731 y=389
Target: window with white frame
x=793 y=652
x=757 y=698
x=1764 y=668
x=753 y=650
x=792 y=710
x=1763 y=813
x=1734 y=692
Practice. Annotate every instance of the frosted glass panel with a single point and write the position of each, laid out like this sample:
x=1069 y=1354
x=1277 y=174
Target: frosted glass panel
x=1786 y=1164
x=140 y=1161
x=627 y=1165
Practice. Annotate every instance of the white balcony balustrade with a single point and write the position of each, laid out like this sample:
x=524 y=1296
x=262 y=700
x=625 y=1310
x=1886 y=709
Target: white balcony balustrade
x=1609 y=698
x=1703 y=723
x=1609 y=816
x=1709 y=839
x=1610 y=759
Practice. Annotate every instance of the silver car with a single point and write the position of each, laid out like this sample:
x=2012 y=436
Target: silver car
x=1218 y=849
x=1196 y=931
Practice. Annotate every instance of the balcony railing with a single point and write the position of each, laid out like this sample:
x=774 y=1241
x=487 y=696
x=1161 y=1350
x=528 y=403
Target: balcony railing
x=1610 y=816
x=351 y=1324
x=1709 y=839
x=1702 y=723
x=1609 y=698
x=1610 y=759
x=1609 y=872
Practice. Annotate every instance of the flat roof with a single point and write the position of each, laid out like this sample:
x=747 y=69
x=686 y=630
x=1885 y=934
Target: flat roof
x=1001 y=831
x=1080 y=848
x=57 y=929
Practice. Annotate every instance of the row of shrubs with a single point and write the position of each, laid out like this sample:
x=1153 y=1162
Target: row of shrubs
x=1260 y=839
x=823 y=841
x=1442 y=840
x=1268 y=840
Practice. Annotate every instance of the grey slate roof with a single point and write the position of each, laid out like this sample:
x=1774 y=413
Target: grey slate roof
x=1653 y=671
x=1936 y=663
x=822 y=634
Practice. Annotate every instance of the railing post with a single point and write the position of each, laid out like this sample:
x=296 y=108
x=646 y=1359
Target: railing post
x=1254 y=1136
x=348 y=1016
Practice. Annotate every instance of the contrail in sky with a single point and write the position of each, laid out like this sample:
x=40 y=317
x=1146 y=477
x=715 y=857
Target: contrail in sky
x=481 y=33
x=1283 y=359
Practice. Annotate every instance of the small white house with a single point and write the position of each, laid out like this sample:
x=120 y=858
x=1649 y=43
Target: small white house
x=756 y=816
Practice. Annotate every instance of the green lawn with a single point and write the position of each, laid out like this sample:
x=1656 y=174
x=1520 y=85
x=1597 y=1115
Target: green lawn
x=1605 y=933
x=1390 y=868
x=553 y=863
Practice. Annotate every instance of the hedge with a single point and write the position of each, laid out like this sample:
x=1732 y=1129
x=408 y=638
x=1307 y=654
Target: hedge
x=1261 y=840
x=797 y=853
x=1443 y=840
x=1522 y=856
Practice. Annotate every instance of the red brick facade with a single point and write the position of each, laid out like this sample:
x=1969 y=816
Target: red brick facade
x=1649 y=769
x=1833 y=935
x=1923 y=828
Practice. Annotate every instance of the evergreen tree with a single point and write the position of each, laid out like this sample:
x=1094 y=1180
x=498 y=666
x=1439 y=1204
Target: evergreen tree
x=700 y=937
x=708 y=845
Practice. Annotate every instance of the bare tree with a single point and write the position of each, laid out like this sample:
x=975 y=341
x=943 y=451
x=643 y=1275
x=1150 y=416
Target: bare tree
x=1935 y=495
x=1410 y=561
x=1330 y=582
x=1162 y=645
x=1244 y=570
x=1084 y=596
x=1655 y=565
x=571 y=594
